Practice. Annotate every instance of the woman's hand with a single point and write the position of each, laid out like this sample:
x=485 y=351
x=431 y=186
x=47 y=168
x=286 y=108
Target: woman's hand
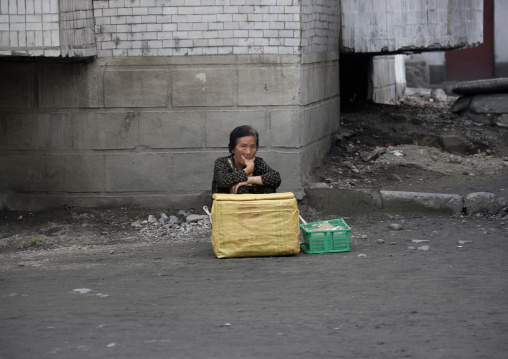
x=249 y=165
x=234 y=189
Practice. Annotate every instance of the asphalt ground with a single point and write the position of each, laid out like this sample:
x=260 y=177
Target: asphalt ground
x=419 y=294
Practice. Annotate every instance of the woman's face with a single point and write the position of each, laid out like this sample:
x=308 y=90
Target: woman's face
x=245 y=146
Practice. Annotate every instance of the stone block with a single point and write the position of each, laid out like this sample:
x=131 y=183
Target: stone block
x=55 y=132
x=203 y=87
x=72 y=173
x=172 y=129
x=69 y=85
x=193 y=171
x=276 y=85
x=319 y=121
x=402 y=202
x=140 y=172
x=481 y=202
x=284 y=128
x=20 y=173
x=494 y=103
x=21 y=131
x=219 y=125
x=25 y=132
x=313 y=156
x=320 y=82
x=453 y=143
x=288 y=165
x=105 y=130
x=17 y=90
x=305 y=126
x=135 y=88
x=344 y=202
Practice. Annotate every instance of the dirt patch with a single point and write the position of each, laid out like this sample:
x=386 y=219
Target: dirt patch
x=421 y=148
x=88 y=227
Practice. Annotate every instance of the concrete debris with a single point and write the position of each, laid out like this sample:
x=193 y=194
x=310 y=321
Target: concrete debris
x=453 y=143
x=501 y=120
x=180 y=227
x=395 y=177
x=420 y=240
x=461 y=242
x=483 y=98
x=395 y=226
x=461 y=105
x=195 y=218
x=439 y=95
x=319 y=185
x=373 y=155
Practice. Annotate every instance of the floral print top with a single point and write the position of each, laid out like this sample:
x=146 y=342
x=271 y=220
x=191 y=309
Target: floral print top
x=226 y=175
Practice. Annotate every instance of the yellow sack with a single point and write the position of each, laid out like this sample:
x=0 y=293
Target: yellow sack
x=251 y=225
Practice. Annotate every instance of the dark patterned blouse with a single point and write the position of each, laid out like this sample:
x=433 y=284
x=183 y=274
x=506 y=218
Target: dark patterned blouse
x=226 y=175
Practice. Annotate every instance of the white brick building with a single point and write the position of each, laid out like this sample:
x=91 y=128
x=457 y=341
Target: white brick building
x=152 y=88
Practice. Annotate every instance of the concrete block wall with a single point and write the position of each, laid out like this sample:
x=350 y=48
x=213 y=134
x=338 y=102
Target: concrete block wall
x=131 y=131
x=49 y=28
x=319 y=112
x=373 y=26
x=143 y=124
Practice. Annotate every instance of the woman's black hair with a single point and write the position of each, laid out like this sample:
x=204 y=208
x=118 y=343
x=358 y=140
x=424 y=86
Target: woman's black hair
x=242 y=131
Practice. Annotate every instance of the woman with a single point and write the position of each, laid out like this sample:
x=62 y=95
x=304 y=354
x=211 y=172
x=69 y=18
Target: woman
x=243 y=172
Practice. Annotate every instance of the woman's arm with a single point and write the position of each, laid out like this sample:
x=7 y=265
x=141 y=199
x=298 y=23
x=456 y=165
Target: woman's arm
x=224 y=174
x=267 y=176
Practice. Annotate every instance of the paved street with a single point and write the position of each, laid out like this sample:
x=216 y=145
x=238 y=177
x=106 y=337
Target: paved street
x=420 y=294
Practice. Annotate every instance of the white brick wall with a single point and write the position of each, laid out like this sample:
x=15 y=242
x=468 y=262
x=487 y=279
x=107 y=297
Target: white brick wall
x=28 y=24
x=320 y=26
x=209 y=27
x=47 y=27
x=196 y=27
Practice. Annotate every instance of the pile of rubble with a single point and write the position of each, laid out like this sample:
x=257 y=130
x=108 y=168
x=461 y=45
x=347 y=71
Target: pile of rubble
x=182 y=226
x=419 y=145
x=427 y=97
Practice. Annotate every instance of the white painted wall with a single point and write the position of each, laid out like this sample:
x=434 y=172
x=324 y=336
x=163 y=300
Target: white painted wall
x=388 y=79
x=393 y=25
x=500 y=31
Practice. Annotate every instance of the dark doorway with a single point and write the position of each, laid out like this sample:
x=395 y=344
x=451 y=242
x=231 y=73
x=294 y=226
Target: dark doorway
x=354 y=70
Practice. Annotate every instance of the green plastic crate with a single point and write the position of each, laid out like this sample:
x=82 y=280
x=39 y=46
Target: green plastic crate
x=327 y=241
